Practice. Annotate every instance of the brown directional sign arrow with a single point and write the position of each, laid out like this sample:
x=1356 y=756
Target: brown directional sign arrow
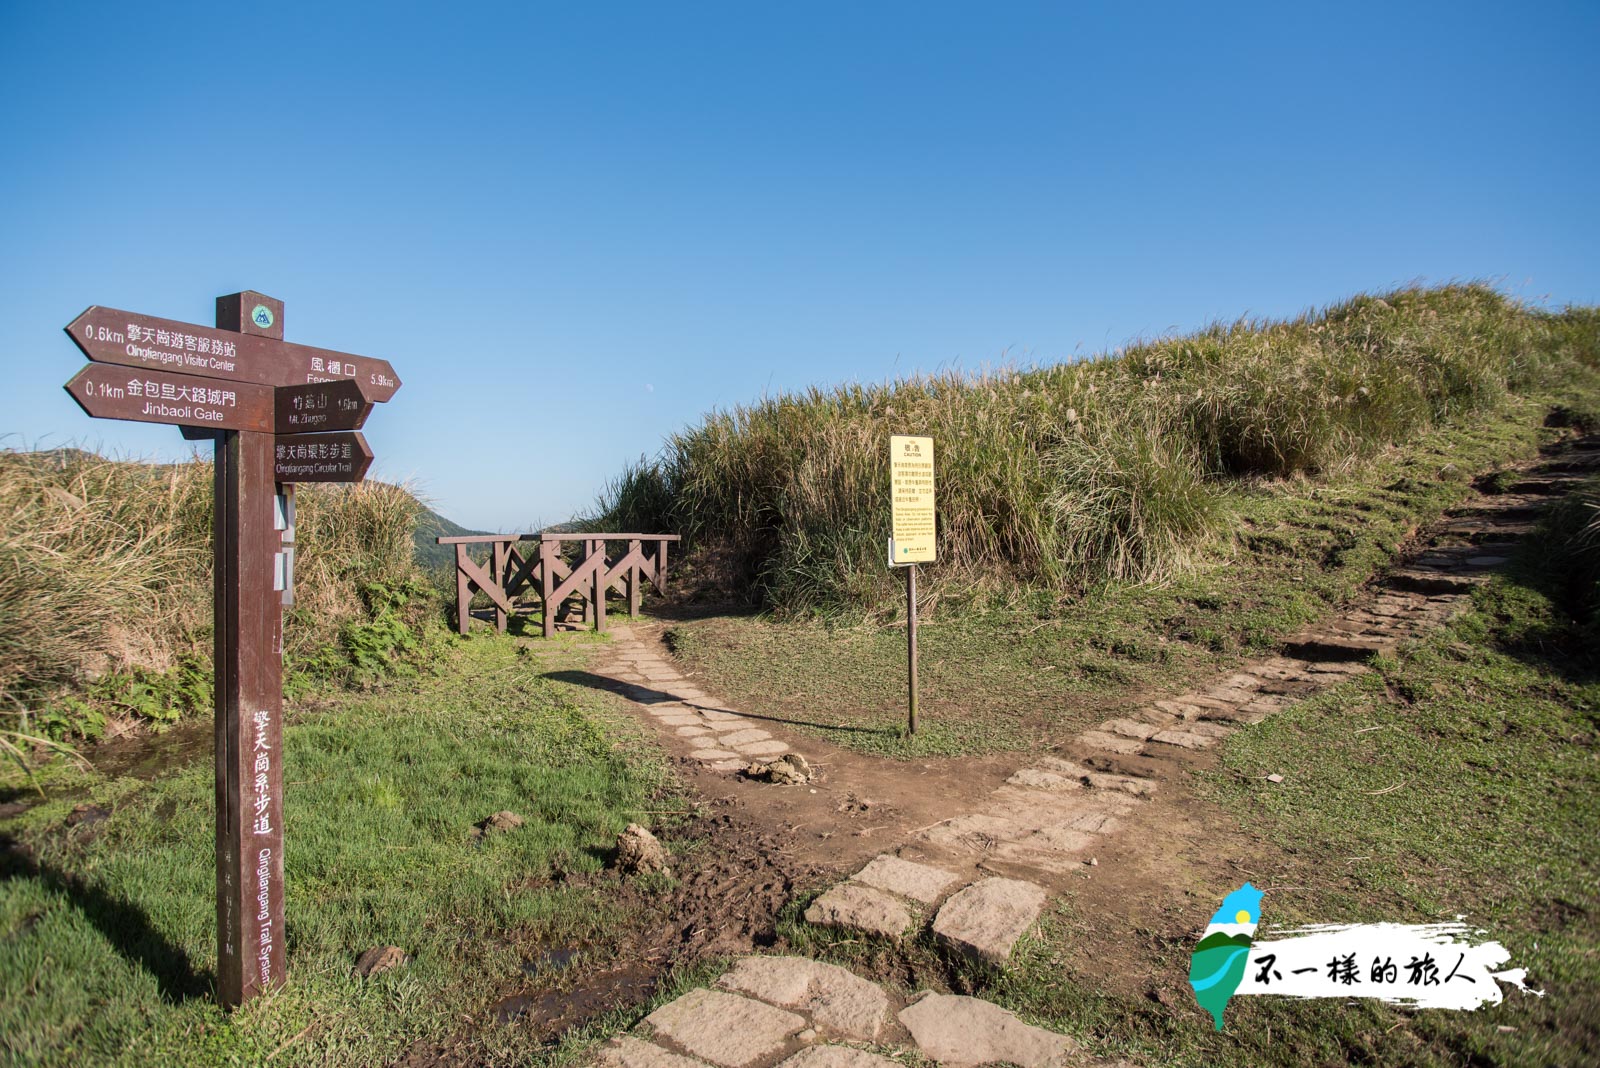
x=107 y=335
x=340 y=457
x=108 y=392
x=321 y=406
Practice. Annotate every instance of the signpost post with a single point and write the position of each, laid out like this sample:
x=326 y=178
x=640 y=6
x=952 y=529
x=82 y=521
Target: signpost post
x=280 y=414
x=913 y=536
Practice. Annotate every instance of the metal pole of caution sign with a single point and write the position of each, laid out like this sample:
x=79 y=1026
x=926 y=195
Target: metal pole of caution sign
x=911 y=645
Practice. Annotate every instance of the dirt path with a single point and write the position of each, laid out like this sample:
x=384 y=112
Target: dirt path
x=855 y=805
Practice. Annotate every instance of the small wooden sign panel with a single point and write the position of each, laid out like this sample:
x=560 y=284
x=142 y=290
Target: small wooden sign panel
x=320 y=407
x=342 y=457
x=106 y=391
x=256 y=354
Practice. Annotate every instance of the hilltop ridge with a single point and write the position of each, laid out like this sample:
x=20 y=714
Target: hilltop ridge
x=1124 y=466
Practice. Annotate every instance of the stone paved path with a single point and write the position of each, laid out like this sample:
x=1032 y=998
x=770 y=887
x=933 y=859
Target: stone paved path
x=720 y=737
x=799 y=1013
x=973 y=879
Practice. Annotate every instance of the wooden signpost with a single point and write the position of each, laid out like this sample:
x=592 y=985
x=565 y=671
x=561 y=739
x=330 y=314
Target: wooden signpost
x=280 y=413
x=913 y=537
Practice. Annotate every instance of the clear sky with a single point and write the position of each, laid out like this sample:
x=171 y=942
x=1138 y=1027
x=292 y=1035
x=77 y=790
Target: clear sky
x=575 y=228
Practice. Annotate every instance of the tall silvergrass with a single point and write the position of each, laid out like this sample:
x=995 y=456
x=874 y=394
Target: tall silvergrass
x=1062 y=476
x=105 y=565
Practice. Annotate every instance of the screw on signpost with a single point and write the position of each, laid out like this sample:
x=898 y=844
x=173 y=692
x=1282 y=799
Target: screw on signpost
x=279 y=414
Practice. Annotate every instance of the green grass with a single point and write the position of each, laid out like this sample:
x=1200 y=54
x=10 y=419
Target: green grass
x=107 y=939
x=1489 y=730
x=1036 y=664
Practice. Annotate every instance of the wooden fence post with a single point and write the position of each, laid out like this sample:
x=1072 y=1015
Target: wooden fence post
x=597 y=548
x=497 y=572
x=463 y=593
x=634 y=546
x=548 y=548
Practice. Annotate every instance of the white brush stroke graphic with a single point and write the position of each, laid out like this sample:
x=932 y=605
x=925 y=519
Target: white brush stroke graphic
x=1429 y=965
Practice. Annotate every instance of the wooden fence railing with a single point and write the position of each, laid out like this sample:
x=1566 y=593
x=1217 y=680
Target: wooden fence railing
x=554 y=578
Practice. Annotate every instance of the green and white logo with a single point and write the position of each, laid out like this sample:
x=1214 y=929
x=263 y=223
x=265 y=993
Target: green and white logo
x=261 y=316
x=1423 y=965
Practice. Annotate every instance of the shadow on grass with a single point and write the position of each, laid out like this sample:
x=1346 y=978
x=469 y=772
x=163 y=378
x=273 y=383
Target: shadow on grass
x=645 y=695
x=123 y=924
x=1566 y=644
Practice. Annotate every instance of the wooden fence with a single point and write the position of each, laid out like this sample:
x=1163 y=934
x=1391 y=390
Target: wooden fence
x=552 y=577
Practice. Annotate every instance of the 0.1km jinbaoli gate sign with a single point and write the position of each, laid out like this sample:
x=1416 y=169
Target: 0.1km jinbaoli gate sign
x=280 y=414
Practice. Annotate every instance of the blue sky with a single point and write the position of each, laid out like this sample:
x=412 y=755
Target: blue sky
x=575 y=229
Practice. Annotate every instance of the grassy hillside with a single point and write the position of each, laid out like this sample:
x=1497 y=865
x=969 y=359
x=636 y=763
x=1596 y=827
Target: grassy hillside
x=431 y=556
x=106 y=590
x=1119 y=467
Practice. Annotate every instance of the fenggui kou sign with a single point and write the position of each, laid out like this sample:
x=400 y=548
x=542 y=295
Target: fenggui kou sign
x=107 y=335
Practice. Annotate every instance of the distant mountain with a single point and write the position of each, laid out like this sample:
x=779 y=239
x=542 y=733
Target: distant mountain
x=430 y=554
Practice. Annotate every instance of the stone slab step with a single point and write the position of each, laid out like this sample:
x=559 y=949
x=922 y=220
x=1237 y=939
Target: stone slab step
x=919 y=882
x=1587 y=464
x=1430 y=580
x=725 y=1029
x=955 y=1030
x=1185 y=739
x=1111 y=743
x=837 y=1000
x=625 y=1051
x=1334 y=646
x=1504 y=506
x=1547 y=485
x=860 y=908
x=985 y=920
x=1486 y=529
x=837 y=1057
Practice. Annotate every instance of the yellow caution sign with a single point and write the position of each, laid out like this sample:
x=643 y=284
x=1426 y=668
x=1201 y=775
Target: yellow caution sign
x=912 y=538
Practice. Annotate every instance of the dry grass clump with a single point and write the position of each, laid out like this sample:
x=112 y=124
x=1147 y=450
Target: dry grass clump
x=102 y=564
x=1116 y=467
x=105 y=565
x=348 y=538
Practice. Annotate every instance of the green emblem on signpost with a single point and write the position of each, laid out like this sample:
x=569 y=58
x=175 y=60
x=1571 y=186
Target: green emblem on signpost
x=261 y=316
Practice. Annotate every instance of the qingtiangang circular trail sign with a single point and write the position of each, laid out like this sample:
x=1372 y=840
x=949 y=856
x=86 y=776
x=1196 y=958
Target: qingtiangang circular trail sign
x=279 y=413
